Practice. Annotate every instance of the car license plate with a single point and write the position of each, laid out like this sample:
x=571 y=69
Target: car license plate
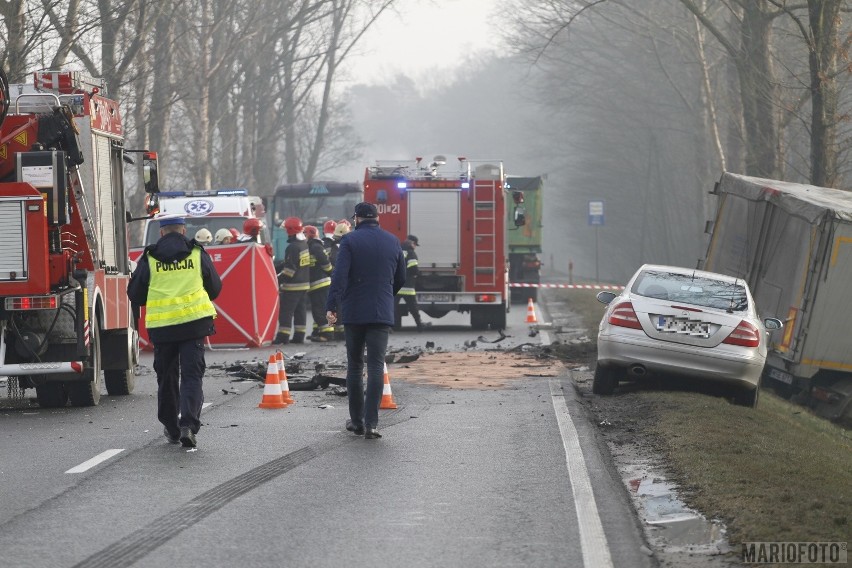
x=434 y=297
x=695 y=328
x=781 y=376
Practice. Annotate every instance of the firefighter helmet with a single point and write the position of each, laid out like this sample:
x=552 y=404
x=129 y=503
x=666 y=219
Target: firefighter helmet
x=328 y=227
x=251 y=226
x=203 y=236
x=345 y=222
x=341 y=229
x=311 y=232
x=234 y=233
x=293 y=225
x=221 y=235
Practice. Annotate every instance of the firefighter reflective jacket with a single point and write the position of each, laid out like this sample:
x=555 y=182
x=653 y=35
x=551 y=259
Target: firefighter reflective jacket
x=412 y=270
x=294 y=272
x=320 y=273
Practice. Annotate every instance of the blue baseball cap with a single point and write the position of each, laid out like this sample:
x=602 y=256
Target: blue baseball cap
x=166 y=221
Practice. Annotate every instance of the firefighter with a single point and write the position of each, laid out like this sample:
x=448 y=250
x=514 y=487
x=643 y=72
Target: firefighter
x=341 y=229
x=251 y=230
x=177 y=281
x=328 y=234
x=294 y=283
x=412 y=271
x=203 y=236
x=223 y=237
x=320 y=280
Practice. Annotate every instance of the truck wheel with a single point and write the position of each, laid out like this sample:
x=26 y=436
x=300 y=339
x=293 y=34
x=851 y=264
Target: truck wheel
x=51 y=395
x=747 y=398
x=604 y=381
x=121 y=382
x=87 y=391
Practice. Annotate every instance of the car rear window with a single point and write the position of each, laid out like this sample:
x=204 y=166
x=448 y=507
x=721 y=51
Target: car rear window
x=693 y=290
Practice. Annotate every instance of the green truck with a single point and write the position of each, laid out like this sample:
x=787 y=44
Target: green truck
x=524 y=240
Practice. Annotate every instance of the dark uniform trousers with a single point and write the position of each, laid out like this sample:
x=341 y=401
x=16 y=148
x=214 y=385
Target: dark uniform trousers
x=180 y=369
x=293 y=311
x=317 y=299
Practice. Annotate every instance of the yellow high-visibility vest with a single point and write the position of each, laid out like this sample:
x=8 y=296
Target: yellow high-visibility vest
x=176 y=292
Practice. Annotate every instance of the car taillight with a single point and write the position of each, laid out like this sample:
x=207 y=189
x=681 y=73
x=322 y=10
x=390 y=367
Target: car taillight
x=745 y=334
x=623 y=315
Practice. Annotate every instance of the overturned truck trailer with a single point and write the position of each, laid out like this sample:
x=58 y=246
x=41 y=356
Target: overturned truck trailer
x=792 y=243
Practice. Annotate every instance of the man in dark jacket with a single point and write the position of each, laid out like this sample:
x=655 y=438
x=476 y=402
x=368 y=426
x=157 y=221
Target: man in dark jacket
x=369 y=272
x=177 y=282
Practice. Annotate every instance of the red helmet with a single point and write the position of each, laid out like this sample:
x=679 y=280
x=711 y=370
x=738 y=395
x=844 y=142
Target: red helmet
x=234 y=233
x=293 y=225
x=329 y=226
x=251 y=226
x=311 y=232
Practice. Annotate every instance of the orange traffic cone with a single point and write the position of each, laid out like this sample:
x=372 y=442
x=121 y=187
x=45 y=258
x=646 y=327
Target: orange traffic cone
x=531 y=311
x=387 y=395
x=272 y=388
x=282 y=377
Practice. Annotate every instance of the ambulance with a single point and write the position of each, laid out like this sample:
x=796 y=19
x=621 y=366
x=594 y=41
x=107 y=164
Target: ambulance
x=247 y=308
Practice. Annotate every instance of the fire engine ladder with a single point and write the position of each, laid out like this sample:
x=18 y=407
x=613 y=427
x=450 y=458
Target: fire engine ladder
x=86 y=214
x=484 y=232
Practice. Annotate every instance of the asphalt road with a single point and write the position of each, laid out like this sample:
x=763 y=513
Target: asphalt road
x=500 y=477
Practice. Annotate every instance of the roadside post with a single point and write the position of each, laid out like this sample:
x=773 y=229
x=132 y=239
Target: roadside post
x=596 y=220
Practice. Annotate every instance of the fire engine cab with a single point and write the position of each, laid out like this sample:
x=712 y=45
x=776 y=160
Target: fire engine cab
x=459 y=219
x=247 y=307
x=65 y=320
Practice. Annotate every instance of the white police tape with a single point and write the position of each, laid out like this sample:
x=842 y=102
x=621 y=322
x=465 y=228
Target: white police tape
x=568 y=286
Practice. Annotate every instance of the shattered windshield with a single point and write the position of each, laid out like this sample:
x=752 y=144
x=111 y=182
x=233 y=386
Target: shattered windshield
x=692 y=289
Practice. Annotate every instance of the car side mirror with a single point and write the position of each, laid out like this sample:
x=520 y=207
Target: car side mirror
x=606 y=297
x=772 y=324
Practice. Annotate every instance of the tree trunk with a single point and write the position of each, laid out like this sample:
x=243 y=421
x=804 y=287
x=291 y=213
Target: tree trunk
x=823 y=49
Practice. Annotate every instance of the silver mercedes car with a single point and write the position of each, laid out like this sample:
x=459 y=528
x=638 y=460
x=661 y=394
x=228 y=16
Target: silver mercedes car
x=684 y=323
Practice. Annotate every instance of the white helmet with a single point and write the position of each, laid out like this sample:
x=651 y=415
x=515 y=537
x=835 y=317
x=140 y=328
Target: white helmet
x=204 y=236
x=223 y=234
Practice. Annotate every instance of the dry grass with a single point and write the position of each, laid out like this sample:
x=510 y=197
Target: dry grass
x=775 y=473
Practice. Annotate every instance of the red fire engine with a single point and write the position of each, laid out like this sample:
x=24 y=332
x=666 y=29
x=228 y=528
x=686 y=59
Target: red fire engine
x=64 y=266
x=459 y=219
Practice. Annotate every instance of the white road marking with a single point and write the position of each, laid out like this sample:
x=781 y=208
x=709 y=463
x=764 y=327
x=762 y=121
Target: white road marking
x=592 y=538
x=205 y=405
x=89 y=464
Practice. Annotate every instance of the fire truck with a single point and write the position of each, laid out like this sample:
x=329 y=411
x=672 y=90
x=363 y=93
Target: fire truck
x=65 y=320
x=459 y=218
x=247 y=307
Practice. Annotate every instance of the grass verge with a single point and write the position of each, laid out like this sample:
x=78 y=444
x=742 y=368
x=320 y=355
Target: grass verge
x=775 y=473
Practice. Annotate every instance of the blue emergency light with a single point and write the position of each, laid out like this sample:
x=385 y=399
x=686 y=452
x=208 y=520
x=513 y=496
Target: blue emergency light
x=203 y=193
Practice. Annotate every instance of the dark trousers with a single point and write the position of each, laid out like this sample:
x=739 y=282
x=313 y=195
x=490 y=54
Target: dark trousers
x=364 y=409
x=180 y=369
x=317 y=299
x=293 y=311
x=411 y=304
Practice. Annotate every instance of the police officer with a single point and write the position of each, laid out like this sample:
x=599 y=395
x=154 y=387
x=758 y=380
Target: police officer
x=176 y=280
x=294 y=282
x=320 y=280
x=412 y=272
